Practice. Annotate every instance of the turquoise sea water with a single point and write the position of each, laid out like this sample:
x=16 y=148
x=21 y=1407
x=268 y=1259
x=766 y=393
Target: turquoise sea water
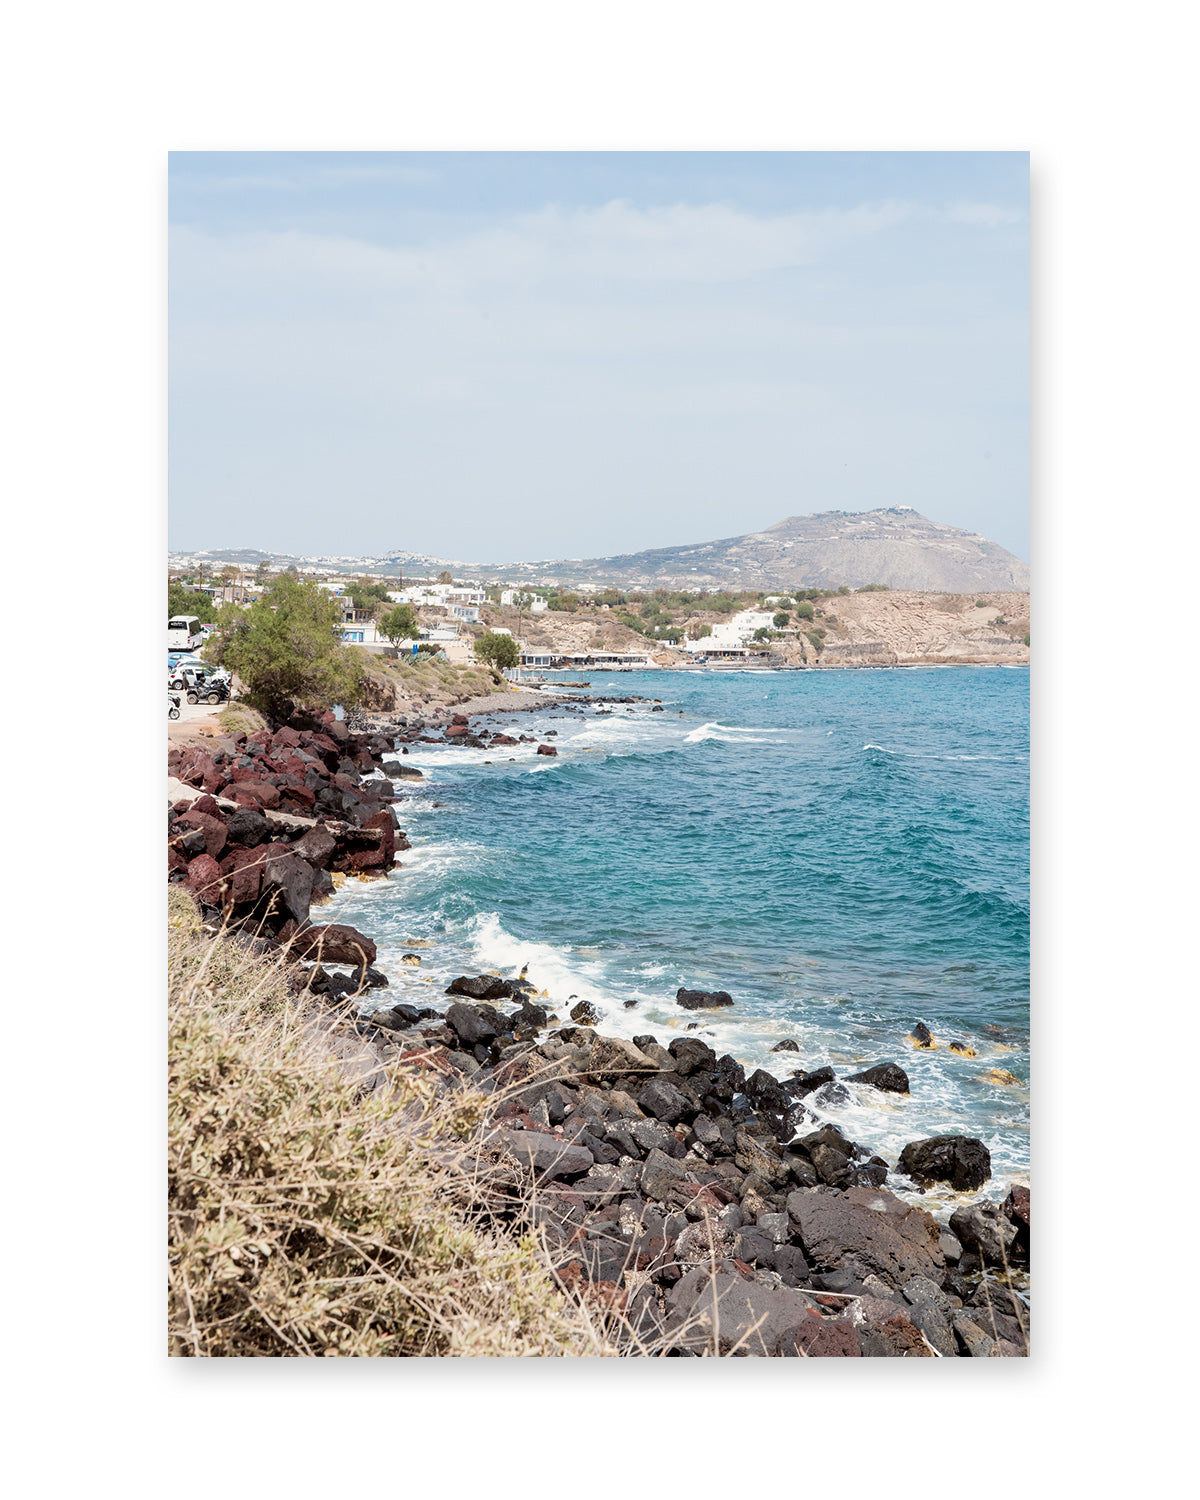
x=845 y=852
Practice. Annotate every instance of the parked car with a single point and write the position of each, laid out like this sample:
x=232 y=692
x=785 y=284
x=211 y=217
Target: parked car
x=187 y=673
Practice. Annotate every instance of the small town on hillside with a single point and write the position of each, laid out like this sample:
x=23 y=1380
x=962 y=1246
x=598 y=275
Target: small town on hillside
x=593 y=627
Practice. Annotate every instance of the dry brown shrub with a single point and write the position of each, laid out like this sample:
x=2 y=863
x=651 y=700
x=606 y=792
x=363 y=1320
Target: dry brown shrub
x=308 y=1220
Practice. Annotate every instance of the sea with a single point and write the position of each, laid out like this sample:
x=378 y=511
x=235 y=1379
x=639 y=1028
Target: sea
x=846 y=853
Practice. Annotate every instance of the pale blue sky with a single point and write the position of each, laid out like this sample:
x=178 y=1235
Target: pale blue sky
x=494 y=356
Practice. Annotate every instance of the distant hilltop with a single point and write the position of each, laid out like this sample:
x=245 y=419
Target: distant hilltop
x=897 y=547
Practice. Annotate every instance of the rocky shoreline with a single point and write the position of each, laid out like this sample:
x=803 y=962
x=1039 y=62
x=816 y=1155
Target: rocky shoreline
x=670 y=1187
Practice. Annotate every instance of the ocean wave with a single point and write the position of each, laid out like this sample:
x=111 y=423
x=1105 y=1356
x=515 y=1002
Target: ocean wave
x=724 y=734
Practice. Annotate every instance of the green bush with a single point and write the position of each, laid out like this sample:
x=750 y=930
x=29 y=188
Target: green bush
x=497 y=650
x=817 y=637
x=804 y=610
x=780 y=619
x=400 y=624
x=183 y=601
x=287 y=647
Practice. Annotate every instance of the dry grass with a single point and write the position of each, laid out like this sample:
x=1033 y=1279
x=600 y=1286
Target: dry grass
x=308 y=1220
x=423 y=677
x=240 y=718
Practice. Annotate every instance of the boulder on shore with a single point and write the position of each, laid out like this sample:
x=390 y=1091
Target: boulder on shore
x=335 y=944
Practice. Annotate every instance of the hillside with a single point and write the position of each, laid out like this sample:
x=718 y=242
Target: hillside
x=913 y=629
x=896 y=546
x=877 y=628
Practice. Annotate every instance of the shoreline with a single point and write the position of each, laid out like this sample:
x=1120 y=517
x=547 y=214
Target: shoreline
x=714 y=1162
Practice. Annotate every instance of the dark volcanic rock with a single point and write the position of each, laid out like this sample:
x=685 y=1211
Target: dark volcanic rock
x=921 y=1035
x=293 y=880
x=960 y=1160
x=481 y=987
x=691 y=1055
x=473 y=1023
x=335 y=944
x=786 y=1046
x=869 y=1232
x=801 y=1083
x=885 y=1076
x=702 y=999
x=663 y=1100
x=548 y=1155
x=983 y=1227
x=315 y=848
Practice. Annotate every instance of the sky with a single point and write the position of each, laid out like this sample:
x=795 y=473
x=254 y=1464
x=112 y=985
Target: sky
x=497 y=356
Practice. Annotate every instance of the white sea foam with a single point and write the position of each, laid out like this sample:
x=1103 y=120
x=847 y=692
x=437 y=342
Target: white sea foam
x=725 y=734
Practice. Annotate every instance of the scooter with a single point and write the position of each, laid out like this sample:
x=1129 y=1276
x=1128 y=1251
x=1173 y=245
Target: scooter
x=172 y=705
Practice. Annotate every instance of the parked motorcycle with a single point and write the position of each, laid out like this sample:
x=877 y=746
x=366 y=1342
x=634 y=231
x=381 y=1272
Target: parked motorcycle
x=172 y=705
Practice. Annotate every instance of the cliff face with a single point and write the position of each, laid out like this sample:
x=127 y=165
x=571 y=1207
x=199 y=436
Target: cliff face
x=904 y=628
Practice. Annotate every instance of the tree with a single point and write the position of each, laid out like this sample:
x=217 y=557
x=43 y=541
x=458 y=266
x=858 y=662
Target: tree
x=288 y=646
x=262 y=573
x=367 y=595
x=400 y=624
x=497 y=650
x=230 y=574
x=780 y=619
x=183 y=601
x=445 y=576
x=804 y=610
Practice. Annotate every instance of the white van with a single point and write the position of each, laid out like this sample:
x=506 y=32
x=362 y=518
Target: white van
x=183 y=632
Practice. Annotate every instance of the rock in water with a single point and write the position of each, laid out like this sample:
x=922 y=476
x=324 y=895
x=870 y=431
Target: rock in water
x=885 y=1076
x=921 y=1036
x=960 y=1160
x=702 y=999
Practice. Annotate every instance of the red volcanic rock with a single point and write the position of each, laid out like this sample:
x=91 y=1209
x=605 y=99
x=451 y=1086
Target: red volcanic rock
x=242 y=869
x=455 y=730
x=546 y=750
x=243 y=798
x=212 y=828
x=380 y=857
x=335 y=944
x=206 y=804
x=175 y=860
x=302 y=797
x=204 y=877
x=261 y=792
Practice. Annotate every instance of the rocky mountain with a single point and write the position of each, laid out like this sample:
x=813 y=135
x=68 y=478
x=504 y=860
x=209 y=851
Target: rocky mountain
x=897 y=546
